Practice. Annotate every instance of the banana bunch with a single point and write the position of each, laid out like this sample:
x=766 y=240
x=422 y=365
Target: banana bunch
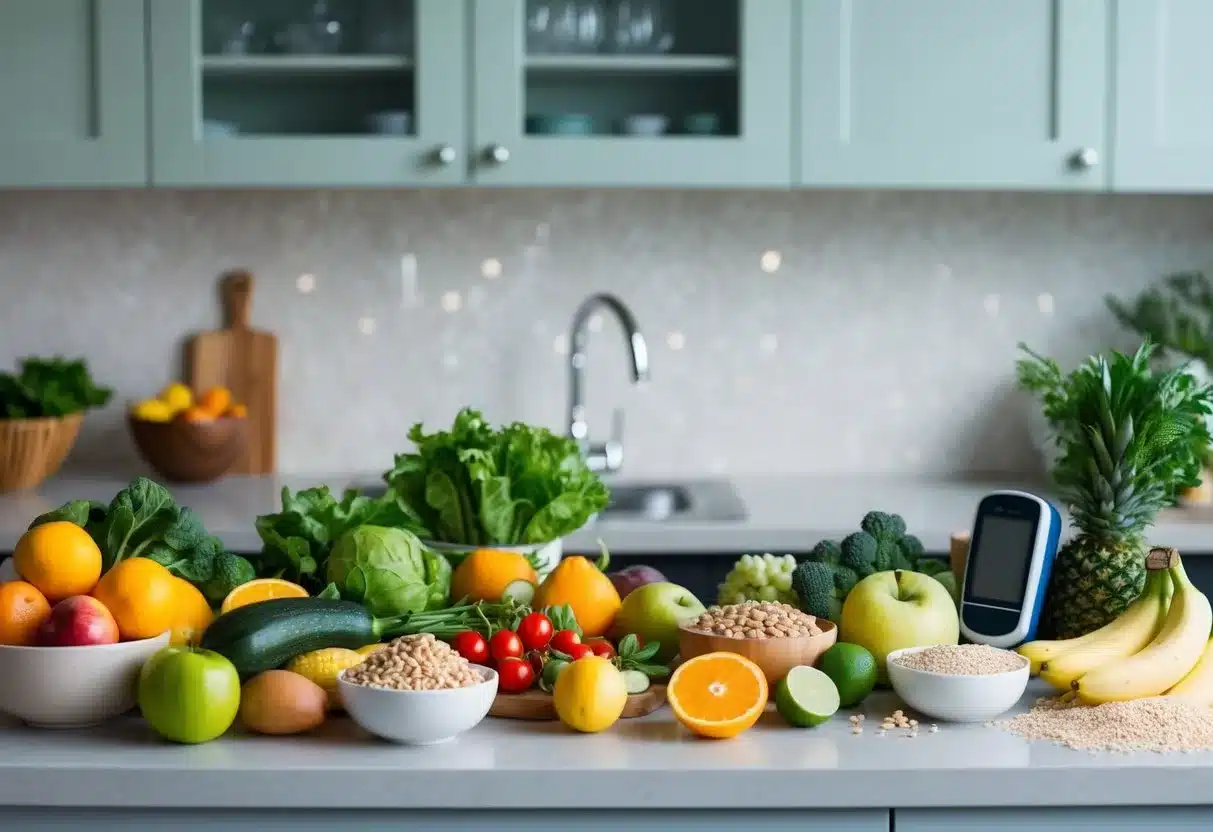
x=1159 y=645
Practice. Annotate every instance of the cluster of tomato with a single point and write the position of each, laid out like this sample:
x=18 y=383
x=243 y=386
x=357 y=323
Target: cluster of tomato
x=533 y=652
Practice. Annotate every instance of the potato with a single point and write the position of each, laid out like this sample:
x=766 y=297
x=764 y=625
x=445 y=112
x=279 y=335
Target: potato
x=281 y=702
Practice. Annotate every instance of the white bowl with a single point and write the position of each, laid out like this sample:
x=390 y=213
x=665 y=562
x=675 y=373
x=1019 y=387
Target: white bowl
x=419 y=717
x=645 y=124
x=391 y=122
x=70 y=687
x=956 y=698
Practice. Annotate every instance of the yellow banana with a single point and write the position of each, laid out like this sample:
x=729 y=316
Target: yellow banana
x=1197 y=686
x=1165 y=661
x=1128 y=633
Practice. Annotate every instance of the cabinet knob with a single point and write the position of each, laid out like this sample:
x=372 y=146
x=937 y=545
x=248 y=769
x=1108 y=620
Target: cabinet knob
x=1085 y=159
x=446 y=155
x=497 y=153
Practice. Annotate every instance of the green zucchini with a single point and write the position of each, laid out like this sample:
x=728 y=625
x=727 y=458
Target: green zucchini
x=269 y=634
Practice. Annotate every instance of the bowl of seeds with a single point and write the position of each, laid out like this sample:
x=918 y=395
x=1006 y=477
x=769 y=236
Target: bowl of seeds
x=776 y=637
x=958 y=682
x=417 y=691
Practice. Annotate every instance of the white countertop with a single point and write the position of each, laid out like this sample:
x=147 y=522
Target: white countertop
x=644 y=763
x=784 y=513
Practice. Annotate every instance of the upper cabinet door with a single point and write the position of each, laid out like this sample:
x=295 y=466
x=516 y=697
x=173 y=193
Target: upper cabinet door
x=955 y=93
x=308 y=92
x=73 y=93
x=632 y=93
x=1164 y=117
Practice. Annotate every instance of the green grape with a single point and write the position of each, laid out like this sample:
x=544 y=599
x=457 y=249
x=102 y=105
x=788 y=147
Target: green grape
x=765 y=577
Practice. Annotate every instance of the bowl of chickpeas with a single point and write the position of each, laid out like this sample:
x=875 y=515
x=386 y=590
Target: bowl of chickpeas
x=776 y=637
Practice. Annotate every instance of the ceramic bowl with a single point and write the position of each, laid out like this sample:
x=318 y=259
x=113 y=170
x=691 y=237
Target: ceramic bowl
x=419 y=717
x=70 y=687
x=645 y=124
x=956 y=698
x=391 y=122
x=184 y=451
x=560 y=124
x=776 y=656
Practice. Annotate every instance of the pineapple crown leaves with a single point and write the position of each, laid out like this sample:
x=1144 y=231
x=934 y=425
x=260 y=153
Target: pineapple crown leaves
x=1129 y=438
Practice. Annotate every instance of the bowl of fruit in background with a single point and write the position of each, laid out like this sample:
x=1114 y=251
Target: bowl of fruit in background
x=185 y=439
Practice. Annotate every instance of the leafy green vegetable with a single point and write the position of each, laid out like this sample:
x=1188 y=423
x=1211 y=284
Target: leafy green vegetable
x=1176 y=314
x=389 y=571
x=475 y=485
x=563 y=618
x=230 y=572
x=49 y=387
x=631 y=656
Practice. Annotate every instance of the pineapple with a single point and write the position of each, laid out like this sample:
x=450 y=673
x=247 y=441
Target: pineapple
x=1130 y=440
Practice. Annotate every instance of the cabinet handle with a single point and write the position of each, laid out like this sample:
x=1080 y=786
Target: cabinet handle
x=497 y=153
x=1085 y=159
x=446 y=155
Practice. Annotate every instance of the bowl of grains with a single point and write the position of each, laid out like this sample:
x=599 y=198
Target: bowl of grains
x=776 y=637
x=418 y=691
x=958 y=682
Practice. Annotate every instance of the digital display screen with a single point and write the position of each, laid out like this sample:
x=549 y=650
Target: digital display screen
x=999 y=572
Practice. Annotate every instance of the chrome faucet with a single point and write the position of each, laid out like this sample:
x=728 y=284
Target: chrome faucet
x=607 y=456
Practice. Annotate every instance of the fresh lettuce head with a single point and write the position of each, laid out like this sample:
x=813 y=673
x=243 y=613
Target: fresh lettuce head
x=389 y=571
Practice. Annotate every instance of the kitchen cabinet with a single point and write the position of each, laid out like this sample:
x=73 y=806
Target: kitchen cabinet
x=1164 y=125
x=72 y=89
x=955 y=93
x=550 y=109
x=1154 y=818
x=272 y=93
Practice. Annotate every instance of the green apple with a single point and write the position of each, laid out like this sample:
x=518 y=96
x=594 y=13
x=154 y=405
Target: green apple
x=188 y=694
x=891 y=610
x=654 y=611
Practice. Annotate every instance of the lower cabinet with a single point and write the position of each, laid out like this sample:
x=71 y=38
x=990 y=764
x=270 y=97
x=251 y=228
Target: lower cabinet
x=1153 y=818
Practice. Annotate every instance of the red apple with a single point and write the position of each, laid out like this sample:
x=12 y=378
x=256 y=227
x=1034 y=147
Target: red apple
x=632 y=577
x=76 y=622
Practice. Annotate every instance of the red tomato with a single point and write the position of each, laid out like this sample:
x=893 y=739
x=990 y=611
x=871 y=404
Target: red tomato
x=601 y=647
x=505 y=644
x=565 y=639
x=580 y=651
x=514 y=675
x=535 y=630
x=537 y=658
x=472 y=646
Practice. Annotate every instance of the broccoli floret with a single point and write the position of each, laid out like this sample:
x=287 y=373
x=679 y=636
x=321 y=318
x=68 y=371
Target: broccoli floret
x=844 y=581
x=932 y=566
x=230 y=572
x=827 y=551
x=912 y=548
x=882 y=525
x=813 y=583
x=859 y=553
x=835 y=610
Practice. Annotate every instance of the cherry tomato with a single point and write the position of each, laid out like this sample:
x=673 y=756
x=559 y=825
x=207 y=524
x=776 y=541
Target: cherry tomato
x=505 y=644
x=565 y=639
x=472 y=646
x=601 y=647
x=537 y=658
x=580 y=651
x=514 y=675
x=535 y=630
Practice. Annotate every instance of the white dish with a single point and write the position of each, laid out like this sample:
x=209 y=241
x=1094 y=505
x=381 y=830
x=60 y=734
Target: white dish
x=70 y=687
x=956 y=698
x=645 y=124
x=391 y=122
x=419 y=717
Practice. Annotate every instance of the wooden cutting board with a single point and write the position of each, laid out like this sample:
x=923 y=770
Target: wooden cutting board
x=536 y=705
x=245 y=361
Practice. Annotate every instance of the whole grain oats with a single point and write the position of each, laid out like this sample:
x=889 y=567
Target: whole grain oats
x=963 y=660
x=1159 y=724
x=756 y=619
x=418 y=662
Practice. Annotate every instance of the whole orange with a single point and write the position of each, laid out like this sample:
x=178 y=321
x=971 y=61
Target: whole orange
x=485 y=573
x=22 y=610
x=215 y=401
x=583 y=586
x=59 y=558
x=193 y=614
x=144 y=598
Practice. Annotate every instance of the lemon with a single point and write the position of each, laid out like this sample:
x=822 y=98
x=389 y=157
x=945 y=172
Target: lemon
x=152 y=410
x=323 y=667
x=177 y=396
x=590 y=694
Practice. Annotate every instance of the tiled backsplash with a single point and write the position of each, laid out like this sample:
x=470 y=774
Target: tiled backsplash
x=789 y=332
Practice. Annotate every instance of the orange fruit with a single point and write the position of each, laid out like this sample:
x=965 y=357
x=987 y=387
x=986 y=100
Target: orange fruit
x=144 y=598
x=215 y=401
x=22 y=610
x=485 y=573
x=193 y=613
x=718 y=695
x=583 y=586
x=262 y=589
x=196 y=414
x=237 y=411
x=59 y=558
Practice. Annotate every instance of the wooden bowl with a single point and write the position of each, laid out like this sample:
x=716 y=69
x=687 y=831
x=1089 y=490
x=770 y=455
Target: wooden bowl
x=33 y=449
x=190 y=451
x=776 y=656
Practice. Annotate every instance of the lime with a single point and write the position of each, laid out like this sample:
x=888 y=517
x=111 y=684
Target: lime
x=853 y=670
x=806 y=697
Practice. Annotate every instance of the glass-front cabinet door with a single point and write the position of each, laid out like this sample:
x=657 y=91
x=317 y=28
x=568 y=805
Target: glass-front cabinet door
x=632 y=93
x=308 y=92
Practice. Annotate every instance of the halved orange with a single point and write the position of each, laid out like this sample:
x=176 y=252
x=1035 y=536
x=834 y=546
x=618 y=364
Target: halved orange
x=718 y=695
x=262 y=589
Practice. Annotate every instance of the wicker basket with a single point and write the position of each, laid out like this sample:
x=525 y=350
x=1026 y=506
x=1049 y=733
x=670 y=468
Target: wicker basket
x=33 y=449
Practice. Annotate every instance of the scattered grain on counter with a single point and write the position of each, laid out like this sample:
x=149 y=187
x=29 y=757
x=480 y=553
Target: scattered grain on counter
x=963 y=660
x=1160 y=723
x=419 y=662
x=756 y=619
